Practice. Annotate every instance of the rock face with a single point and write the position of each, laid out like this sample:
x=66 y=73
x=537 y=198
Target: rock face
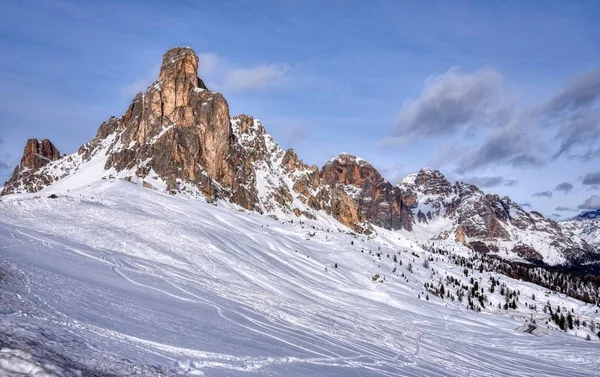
x=488 y=223
x=178 y=129
x=587 y=226
x=376 y=200
x=178 y=137
x=36 y=155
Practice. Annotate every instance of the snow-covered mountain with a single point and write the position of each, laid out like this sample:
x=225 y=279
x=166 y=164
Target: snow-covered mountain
x=587 y=226
x=487 y=223
x=184 y=241
x=178 y=137
x=114 y=279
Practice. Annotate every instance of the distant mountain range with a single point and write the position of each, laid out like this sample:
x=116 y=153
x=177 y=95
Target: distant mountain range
x=587 y=226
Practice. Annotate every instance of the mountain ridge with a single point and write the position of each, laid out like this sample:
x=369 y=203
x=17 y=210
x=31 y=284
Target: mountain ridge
x=586 y=225
x=179 y=137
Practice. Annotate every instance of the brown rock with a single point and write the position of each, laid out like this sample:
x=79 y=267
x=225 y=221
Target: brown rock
x=38 y=154
x=377 y=201
x=460 y=235
x=35 y=156
x=432 y=182
x=178 y=128
x=480 y=247
x=527 y=252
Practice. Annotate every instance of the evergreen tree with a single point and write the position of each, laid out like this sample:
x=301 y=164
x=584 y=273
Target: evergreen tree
x=570 y=321
x=561 y=322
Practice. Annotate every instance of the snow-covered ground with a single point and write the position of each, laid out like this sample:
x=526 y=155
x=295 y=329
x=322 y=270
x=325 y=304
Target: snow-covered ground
x=112 y=278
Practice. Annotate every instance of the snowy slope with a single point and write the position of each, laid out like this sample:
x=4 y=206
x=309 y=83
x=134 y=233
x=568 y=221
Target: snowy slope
x=115 y=278
x=587 y=226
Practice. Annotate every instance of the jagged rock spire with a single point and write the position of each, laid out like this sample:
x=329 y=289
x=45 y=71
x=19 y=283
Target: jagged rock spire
x=180 y=64
x=36 y=155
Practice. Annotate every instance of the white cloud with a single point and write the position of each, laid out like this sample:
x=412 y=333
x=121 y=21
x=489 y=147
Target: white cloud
x=259 y=77
x=452 y=102
x=489 y=181
x=593 y=202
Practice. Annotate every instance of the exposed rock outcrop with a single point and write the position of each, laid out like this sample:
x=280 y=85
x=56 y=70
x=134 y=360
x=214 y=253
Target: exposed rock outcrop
x=587 y=226
x=36 y=155
x=488 y=223
x=178 y=129
x=377 y=201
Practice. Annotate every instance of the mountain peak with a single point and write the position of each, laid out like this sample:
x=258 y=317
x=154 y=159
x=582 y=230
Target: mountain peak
x=349 y=169
x=346 y=158
x=38 y=153
x=433 y=181
x=588 y=215
x=181 y=63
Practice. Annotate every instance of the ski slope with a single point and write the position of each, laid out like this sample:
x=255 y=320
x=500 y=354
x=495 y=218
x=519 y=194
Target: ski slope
x=112 y=278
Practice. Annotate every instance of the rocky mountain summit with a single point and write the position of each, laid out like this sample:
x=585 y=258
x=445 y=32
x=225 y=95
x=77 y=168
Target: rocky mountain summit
x=588 y=215
x=179 y=137
x=36 y=155
x=377 y=201
x=587 y=226
x=488 y=223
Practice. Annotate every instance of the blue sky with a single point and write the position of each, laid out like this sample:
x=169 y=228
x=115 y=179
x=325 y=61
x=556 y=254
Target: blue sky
x=501 y=94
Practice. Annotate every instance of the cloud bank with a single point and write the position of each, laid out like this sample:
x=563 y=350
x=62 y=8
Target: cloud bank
x=461 y=107
x=593 y=202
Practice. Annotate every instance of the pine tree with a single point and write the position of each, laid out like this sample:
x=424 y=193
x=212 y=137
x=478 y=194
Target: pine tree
x=561 y=322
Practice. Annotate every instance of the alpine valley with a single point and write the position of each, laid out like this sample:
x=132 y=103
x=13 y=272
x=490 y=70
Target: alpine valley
x=182 y=240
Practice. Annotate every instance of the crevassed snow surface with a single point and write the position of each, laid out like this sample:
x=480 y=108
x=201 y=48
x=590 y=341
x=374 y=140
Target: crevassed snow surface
x=112 y=279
